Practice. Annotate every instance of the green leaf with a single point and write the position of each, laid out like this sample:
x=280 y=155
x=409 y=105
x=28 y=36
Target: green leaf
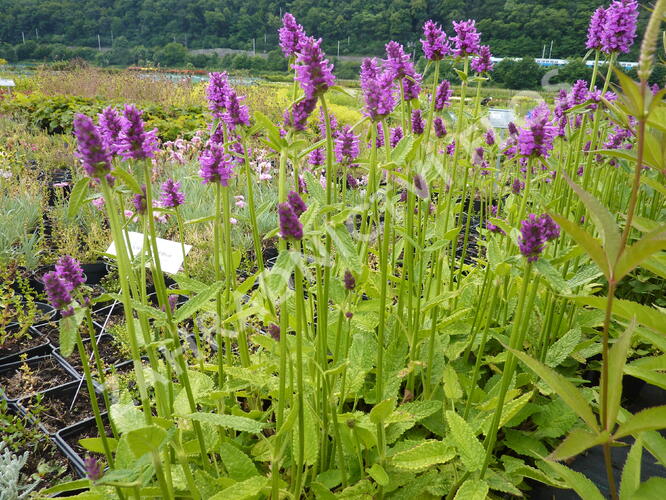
x=378 y=473
x=345 y=246
x=69 y=486
x=552 y=276
x=126 y=417
x=423 y=455
x=576 y=442
x=626 y=309
x=469 y=447
x=640 y=251
x=591 y=245
x=603 y=219
x=245 y=490
x=580 y=484
x=617 y=358
x=145 y=439
x=95 y=444
x=646 y=420
x=311 y=437
x=565 y=389
x=652 y=489
x=564 y=346
x=631 y=473
x=652 y=377
x=69 y=331
x=472 y=489
x=237 y=423
x=190 y=307
x=239 y=466
x=127 y=178
x=77 y=196
x=382 y=410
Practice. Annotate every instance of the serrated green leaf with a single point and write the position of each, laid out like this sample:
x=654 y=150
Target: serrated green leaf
x=469 y=448
x=640 y=251
x=382 y=410
x=626 y=309
x=77 y=196
x=577 y=442
x=196 y=303
x=145 y=439
x=472 y=489
x=423 y=455
x=69 y=331
x=580 y=484
x=126 y=417
x=646 y=420
x=239 y=466
x=564 y=346
x=378 y=473
x=631 y=472
x=345 y=246
x=127 y=178
x=652 y=489
x=552 y=276
x=245 y=490
x=235 y=422
x=617 y=358
x=95 y=444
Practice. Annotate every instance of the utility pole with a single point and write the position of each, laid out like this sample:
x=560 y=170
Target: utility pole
x=550 y=54
x=254 y=47
x=543 y=53
x=99 y=43
x=23 y=36
x=112 y=37
x=37 y=33
x=338 y=49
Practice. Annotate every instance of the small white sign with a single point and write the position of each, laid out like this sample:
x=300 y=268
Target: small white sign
x=7 y=83
x=170 y=252
x=500 y=118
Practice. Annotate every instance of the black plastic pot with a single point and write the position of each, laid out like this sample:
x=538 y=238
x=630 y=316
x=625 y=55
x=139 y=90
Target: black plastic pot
x=94 y=272
x=44 y=314
x=43 y=349
x=60 y=182
x=35 y=364
x=102 y=339
x=65 y=438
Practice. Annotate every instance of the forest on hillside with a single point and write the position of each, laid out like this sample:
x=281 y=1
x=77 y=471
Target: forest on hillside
x=511 y=27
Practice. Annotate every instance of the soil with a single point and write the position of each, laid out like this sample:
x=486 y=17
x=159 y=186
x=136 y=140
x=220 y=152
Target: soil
x=109 y=353
x=41 y=375
x=13 y=345
x=89 y=431
x=53 y=411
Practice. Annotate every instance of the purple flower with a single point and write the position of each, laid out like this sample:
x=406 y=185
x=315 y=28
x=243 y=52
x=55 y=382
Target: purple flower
x=274 y=331
x=595 y=29
x=550 y=229
x=411 y=86
x=313 y=71
x=298 y=116
x=110 y=126
x=290 y=225
x=172 y=196
x=443 y=95
x=580 y=171
x=57 y=291
x=349 y=280
x=316 y=157
x=216 y=165
x=513 y=130
x=217 y=135
x=418 y=125
x=297 y=203
x=578 y=94
x=378 y=90
x=534 y=233
x=395 y=135
x=134 y=143
x=346 y=145
x=440 y=127
x=322 y=123
x=93 y=468
x=397 y=62
x=467 y=39
x=352 y=183
x=517 y=186
x=655 y=89
x=91 y=150
x=379 y=142
x=482 y=64
x=451 y=148
x=537 y=138
x=291 y=35
x=139 y=201
x=619 y=27
x=217 y=90
x=237 y=114
x=617 y=139
x=490 y=137
x=493 y=228
x=421 y=187
x=69 y=269
x=436 y=45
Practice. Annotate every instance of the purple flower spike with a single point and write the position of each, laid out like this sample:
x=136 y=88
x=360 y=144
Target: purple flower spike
x=58 y=292
x=313 y=71
x=110 y=126
x=217 y=90
x=440 y=127
x=549 y=227
x=443 y=95
x=395 y=135
x=596 y=29
x=421 y=187
x=290 y=226
x=274 y=331
x=93 y=468
x=535 y=232
x=237 y=114
x=483 y=63
x=346 y=146
x=134 y=143
x=418 y=125
x=467 y=39
x=316 y=157
x=297 y=118
x=69 y=269
x=435 y=44
x=139 y=201
x=291 y=35
x=172 y=196
x=216 y=165
x=620 y=27
x=412 y=86
x=378 y=90
x=91 y=150
x=397 y=61
x=490 y=137
x=349 y=280
x=537 y=138
x=517 y=186
x=297 y=203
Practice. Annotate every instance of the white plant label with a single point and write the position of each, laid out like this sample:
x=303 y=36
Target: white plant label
x=170 y=252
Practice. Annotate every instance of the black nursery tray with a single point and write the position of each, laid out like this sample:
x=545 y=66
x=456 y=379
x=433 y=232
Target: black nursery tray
x=46 y=372
x=41 y=347
x=67 y=440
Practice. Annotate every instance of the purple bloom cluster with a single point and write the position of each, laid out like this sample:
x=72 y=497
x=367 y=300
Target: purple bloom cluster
x=618 y=139
x=482 y=63
x=110 y=125
x=418 y=125
x=297 y=203
x=535 y=232
x=93 y=468
x=59 y=284
x=316 y=157
x=216 y=165
x=467 y=39
x=440 y=127
x=378 y=89
x=69 y=269
x=313 y=71
x=237 y=114
x=411 y=86
x=346 y=145
x=537 y=138
x=619 y=30
x=217 y=90
x=172 y=196
x=489 y=137
x=290 y=225
x=139 y=201
x=291 y=35
x=91 y=150
x=494 y=228
x=596 y=29
x=421 y=187
x=134 y=143
x=443 y=95
x=298 y=116
x=397 y=61
x=349 y=280
x=517 y=186
x=435 y=44
x=395 y=135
